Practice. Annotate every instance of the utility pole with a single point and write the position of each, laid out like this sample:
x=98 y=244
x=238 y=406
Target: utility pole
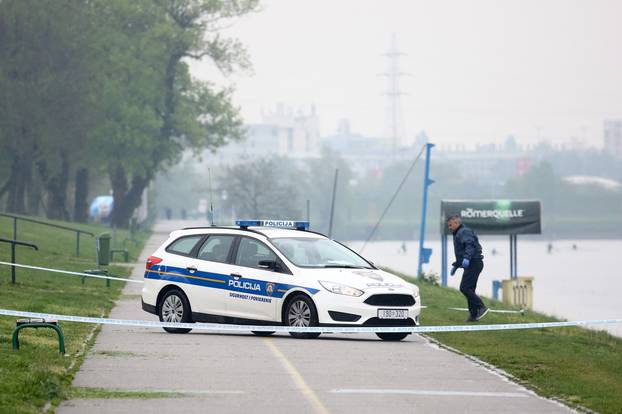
x=332 y=204
x=424 y=253
x=394 y=93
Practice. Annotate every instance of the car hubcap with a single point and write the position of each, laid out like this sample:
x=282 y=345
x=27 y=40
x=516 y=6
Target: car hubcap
x=172 y=309
x=299 y=314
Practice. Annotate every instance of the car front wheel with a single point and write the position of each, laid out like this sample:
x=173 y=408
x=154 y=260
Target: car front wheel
x=392 y=336
x=300 y=311
x=174 y=307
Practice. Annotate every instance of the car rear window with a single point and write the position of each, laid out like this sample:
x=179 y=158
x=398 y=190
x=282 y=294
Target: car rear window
x=184 y=245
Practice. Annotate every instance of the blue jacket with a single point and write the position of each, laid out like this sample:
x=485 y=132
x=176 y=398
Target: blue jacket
x=466 y=245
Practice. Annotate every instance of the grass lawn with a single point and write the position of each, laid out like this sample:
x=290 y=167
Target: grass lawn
x=575 y=365
x=37 y=373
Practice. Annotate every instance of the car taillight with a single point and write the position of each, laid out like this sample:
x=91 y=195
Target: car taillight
x=152 y=260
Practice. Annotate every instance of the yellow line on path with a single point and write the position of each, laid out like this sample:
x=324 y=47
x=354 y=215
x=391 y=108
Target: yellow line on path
x=297 y=378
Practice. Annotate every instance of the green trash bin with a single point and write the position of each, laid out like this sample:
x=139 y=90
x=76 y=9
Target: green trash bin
x=103 y=249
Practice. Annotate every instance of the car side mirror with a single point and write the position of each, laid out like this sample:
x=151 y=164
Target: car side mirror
x=267 y=264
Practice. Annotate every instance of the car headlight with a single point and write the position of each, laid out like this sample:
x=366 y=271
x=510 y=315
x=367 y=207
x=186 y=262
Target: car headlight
x=340 y=289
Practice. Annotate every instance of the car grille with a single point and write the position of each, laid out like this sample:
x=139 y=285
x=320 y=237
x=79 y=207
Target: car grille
x=390 y=300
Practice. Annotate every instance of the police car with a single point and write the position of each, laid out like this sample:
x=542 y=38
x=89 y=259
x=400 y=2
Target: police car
x=270 y=272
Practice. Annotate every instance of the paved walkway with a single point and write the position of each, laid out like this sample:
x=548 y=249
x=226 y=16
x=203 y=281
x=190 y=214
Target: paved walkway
x=244 y=373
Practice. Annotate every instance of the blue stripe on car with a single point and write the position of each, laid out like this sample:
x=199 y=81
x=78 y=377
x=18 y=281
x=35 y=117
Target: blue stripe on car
x=222 y=281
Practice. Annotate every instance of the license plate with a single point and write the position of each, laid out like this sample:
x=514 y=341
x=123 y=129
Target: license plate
x=392 y=313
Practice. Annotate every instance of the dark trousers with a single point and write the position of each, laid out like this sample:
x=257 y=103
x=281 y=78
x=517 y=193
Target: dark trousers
x=469 y=283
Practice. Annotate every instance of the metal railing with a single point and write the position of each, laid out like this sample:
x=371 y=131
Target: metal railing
x=13 y=244
x=44 y=223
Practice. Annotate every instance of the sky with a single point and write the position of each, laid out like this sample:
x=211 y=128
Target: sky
x=475 y=71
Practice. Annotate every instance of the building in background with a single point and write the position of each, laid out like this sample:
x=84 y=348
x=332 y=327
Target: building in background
x=613 y=137
x=282 y=132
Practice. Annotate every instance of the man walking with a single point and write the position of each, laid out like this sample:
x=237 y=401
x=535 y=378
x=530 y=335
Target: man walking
x=468 y=256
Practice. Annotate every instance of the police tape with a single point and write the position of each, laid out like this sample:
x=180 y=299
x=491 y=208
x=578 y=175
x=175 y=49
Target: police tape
x=68 y=272
x=315 y=329
x=521 y=311
x=47 y=269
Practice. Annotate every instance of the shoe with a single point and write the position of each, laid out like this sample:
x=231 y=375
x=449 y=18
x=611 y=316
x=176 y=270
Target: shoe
x=471 y=319
x=481 y=313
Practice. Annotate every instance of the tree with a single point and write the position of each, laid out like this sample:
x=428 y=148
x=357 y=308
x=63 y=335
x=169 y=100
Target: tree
x=103 y=85
x=44 y=70
x=188 y=113
x=264 y=188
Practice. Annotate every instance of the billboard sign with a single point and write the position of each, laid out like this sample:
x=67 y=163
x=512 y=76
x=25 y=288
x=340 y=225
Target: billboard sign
x=494 y=216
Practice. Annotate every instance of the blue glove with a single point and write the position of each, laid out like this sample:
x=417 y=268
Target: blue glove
x=465 y=263
x=453 y=270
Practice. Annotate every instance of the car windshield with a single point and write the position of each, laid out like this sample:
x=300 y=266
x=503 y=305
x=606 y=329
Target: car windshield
x=312 y=252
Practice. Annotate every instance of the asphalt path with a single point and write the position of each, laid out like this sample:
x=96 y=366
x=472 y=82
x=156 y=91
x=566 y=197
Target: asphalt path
x=230 y=373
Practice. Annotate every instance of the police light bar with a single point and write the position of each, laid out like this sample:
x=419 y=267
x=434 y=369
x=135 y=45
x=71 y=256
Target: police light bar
x=287 y=224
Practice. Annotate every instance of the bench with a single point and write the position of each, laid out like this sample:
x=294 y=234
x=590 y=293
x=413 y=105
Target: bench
x=38 y=323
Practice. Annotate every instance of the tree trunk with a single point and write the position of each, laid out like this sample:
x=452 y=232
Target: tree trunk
x=126 y=200
x=5 y=187
x=168 y=129
x=118 y=180
x=15 y=200
x=57 y=195
x=23 y=151
x=56 y=188
x=33 y=197
x=80 y=207
x=10 y=188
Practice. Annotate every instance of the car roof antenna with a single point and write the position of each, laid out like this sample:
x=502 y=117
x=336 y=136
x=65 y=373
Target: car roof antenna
x=211 y=197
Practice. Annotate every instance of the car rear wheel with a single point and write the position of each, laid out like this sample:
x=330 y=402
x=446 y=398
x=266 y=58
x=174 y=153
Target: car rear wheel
x=174 y=307
x=392 y=336
x=300 y=311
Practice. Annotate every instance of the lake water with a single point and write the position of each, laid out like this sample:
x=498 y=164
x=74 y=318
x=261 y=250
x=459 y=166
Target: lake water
x=585 y=283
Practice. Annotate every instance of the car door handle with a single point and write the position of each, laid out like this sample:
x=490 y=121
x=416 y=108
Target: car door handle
x=236 y=275
x=191 y=269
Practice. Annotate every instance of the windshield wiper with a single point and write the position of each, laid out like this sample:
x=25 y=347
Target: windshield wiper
x=345 y=266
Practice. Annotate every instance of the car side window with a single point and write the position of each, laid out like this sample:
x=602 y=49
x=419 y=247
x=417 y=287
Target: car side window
x=184 y=245
x=251 y=252
x=216 y=248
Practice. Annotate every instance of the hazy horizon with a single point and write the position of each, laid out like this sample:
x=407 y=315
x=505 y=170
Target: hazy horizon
x=478 y=71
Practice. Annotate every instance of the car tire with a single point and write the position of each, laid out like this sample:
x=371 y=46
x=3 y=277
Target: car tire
x=174 y=307
x=392 y=336
x=300 y=311
x=263 y=333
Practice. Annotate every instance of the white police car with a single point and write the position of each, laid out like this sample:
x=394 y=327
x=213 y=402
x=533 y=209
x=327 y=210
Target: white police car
x=262 y=273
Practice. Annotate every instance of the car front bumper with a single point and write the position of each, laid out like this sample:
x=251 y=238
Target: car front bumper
x=341 y=310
